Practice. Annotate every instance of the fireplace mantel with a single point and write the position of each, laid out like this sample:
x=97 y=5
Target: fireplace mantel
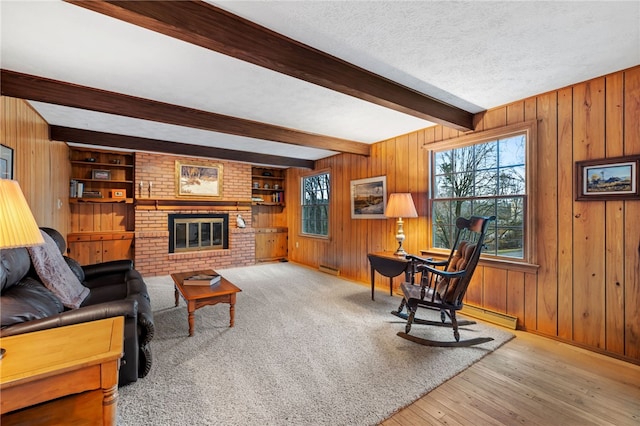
x=173 y=204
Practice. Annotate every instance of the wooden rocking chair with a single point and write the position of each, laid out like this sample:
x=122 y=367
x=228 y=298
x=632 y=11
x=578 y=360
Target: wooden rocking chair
x=443 y=284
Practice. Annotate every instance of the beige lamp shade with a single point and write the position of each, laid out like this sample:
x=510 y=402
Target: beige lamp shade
x=18 y=227
x=401 y=205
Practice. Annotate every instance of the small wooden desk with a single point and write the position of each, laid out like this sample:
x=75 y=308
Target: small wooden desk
x=389 y=265
x=70 y=372
x=198 y=296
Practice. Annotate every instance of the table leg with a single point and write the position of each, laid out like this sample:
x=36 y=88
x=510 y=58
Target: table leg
x=232 y=309
x=390 y=286
x=373 y=281
x=175 y=288
x=192 y=318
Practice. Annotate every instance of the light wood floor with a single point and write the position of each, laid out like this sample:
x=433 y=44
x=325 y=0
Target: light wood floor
x=533 y=380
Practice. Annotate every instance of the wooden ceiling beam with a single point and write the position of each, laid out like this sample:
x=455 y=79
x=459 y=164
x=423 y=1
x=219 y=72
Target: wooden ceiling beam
x=208 y=26
x=112 y=140
x=56 y=92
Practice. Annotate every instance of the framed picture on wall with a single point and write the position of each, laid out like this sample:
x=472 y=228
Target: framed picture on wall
x=6 y=162
x=608 y=179
x=198 y=180
x=369 y=198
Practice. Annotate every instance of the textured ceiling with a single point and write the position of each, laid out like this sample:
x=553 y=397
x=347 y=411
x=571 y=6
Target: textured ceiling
x=473 y=55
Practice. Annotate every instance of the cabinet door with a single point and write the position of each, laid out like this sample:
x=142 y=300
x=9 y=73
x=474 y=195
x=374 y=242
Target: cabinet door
x=264 y=245
x=117 y=250
x=280 y=248
x=86 y=252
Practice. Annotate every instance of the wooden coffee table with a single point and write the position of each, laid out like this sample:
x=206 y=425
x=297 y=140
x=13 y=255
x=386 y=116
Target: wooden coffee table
x=198 y=296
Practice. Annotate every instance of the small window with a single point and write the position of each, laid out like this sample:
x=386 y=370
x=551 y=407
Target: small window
x=485 y=177
x=315 y=205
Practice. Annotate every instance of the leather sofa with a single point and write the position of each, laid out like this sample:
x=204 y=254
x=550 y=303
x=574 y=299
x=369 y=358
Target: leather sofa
x=115 y=289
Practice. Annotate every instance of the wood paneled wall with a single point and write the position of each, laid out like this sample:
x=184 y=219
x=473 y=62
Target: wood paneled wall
x=586 y=289
x=41 y=166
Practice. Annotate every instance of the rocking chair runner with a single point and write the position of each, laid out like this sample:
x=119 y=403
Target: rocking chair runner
x=444 y=289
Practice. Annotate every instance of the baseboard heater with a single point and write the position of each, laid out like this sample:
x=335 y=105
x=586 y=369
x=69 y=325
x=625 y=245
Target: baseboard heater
x=329 y=270
x=490 y=316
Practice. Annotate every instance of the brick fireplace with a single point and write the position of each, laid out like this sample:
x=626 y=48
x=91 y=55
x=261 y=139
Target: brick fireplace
x=157 y=201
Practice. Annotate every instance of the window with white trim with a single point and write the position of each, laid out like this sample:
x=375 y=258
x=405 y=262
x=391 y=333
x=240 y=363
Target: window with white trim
x=484 y=177
x=315 y=204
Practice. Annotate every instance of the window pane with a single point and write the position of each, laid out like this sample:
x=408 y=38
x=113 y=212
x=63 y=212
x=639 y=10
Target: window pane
x=443 y=187
x=205 y=234
x=512 y=151
x=486 y=182
x=486 y=155
x=512 y=180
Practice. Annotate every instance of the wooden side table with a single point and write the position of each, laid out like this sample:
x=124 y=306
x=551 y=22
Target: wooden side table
x=388 y=265
x=64 y=375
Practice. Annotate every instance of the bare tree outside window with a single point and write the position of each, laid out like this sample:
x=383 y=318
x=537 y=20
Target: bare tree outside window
x=484 y=179
x=315 y=204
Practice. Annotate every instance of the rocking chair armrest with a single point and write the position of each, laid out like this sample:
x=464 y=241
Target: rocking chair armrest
x=425 y=260
x=444 y=274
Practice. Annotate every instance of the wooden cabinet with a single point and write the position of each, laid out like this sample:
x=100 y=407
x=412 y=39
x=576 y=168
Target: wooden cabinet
x=100 y=247
x=102 y=224
x=267 y=186
x=271 y=244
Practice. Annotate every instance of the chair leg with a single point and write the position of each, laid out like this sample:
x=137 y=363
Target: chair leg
x=454 y=323
x=412 y=315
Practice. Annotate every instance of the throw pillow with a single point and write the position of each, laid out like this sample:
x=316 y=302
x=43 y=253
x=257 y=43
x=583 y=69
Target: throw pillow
x=56 y=274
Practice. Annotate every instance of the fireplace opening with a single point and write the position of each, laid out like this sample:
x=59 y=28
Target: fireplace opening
x=191 y=232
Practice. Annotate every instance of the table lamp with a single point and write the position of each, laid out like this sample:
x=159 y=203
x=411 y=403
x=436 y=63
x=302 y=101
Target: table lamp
x=18 y=227
x=400 y=205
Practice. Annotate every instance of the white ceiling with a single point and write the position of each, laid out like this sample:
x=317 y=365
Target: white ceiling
x=474 y=55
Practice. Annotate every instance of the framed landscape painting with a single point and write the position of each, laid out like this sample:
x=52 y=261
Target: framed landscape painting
x=608 y=179
x=6 y=162
x=369 y=198
x=198 y=180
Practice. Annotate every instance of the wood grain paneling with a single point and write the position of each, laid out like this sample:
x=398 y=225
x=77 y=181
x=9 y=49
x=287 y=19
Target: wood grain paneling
x=587 y=287
x=41 y=166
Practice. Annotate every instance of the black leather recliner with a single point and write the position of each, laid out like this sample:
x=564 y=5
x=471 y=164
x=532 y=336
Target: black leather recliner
x=115 y=289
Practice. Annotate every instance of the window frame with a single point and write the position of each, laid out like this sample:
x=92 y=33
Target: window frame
x=529 y=129
x=302 y=205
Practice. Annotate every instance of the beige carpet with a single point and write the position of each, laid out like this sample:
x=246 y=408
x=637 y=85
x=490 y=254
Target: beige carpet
x=307 y=349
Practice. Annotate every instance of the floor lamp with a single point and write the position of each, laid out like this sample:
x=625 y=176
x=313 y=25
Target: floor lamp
x=18 y=227
x=400 y=205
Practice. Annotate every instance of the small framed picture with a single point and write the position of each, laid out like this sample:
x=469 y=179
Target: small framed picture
x=6 y=162
x=608 y=179
x=118 y=193
x=369 y=198
x=99 y=174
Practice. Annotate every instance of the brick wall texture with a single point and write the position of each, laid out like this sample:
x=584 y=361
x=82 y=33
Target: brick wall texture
x=152 y=257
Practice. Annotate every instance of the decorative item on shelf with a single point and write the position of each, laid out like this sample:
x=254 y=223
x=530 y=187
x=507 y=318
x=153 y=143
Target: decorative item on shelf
x=266 y=186
x=150 y=186
x=100 y=174
x=116 y=161
x=276 y=186
x=18 y=227
x=401 y=205
x=79 y=190
x=257 y=199
x=267 y=174
x=256 y=185
x=92 y=194
x=141 y=185
x=119 y=193
x=240 y=221
x=90 y=160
